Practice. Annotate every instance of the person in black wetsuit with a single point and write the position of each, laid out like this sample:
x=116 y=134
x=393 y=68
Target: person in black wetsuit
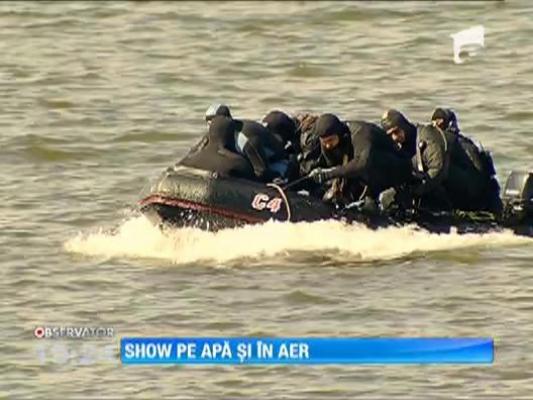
x=284 y=131
x=262 y=149
x=252 y=141
x=360 y=153
x=476 y=165
x=213 y=110
x=334 y=149
x=219 y=153
x=217 y=109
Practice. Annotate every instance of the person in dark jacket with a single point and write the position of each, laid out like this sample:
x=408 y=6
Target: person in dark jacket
x=212 y=111
x=401 y=131
x=219 y=153
x=476 y=163
x=444 y=176
x=359 y=151
x=429 y=149
x=284 y=131
x=262 y=149
x=253 y=142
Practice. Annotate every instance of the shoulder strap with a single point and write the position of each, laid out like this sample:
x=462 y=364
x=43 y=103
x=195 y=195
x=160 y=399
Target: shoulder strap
x=419 y=163
x=443 y=136
x=420 y=144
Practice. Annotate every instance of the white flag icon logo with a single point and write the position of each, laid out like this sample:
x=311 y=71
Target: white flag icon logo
x=467 y=41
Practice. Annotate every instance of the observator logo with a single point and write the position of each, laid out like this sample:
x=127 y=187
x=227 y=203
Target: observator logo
x=73 y=332
x=39 y=332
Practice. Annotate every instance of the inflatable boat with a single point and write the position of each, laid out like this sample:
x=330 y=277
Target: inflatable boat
x=188 y=197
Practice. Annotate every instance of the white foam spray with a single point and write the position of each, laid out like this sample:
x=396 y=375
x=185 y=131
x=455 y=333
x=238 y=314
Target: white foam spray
x=138 y=238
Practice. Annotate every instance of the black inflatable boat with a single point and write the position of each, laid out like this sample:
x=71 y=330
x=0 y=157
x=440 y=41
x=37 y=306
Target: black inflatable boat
x=188 y=197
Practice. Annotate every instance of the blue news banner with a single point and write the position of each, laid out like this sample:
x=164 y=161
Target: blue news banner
x=245 y=350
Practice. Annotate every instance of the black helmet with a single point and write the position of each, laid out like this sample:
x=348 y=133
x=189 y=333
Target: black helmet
x=394 y=119
x=329 y=124
x=448 y=117
x=280 y=124
x=217 y=109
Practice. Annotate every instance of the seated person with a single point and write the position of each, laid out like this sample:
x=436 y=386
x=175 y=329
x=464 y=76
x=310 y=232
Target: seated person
x=264 y=152
x=401 y=131
x=477 y=164
x=252 y=141
x=444 y=178
x=360 y=153
x=219 y=153
x=430 y=151
x=212 y=112
x=283 y=129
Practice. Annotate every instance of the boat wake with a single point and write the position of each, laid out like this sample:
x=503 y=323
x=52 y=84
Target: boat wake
x=136 y=237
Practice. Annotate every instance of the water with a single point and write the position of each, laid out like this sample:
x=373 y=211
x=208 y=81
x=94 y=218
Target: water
x=98 y=98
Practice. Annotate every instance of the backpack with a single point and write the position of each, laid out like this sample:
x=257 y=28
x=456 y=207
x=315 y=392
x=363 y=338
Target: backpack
x=309 y=143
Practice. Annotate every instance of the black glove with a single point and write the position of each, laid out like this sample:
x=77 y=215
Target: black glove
x=419 y=177
x=405 y=197
x=320 y=175
x=369 y=206
x=387 y=199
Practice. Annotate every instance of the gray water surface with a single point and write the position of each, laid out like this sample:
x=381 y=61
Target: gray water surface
x=98 y=98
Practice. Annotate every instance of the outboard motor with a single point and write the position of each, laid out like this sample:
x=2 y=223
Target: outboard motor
x=518 y=198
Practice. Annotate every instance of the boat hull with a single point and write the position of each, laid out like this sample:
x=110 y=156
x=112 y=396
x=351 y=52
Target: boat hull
x=188 y=197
